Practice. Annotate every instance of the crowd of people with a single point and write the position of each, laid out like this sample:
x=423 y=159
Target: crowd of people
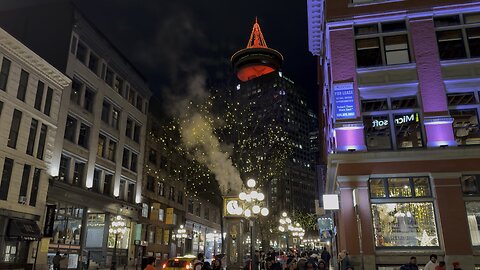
x=311 y=260
x=432 y=264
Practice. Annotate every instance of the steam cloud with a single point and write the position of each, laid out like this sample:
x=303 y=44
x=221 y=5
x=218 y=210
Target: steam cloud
x=186 y=74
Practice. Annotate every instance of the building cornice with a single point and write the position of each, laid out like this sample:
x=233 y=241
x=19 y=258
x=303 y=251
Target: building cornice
x=316 y=15
x=32 y=60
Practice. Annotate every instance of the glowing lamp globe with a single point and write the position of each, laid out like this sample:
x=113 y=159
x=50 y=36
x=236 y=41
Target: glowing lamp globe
x=260 y=196
x=248 y=213
x=254 y=194
x=242 y=196
x=251 y=183
x=264 y=212
x=256 y=209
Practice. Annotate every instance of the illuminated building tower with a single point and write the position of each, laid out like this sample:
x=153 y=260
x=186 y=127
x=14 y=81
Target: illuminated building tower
x=400 y=96
x=256 y=59
x=272 y=140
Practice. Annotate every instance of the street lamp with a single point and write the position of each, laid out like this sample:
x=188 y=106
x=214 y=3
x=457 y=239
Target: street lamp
x=285 y=226
x=182 y=234
x=117 y=227
x=252 y=207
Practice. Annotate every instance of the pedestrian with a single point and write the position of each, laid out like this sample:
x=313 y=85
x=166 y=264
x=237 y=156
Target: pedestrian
x=150 y=265
x=198 y=263
x=325 y=257
x=270 y=264
x=206 y=266
x=432 y=264
x=349 y=268
x=302 y=261
x=57 y=259
x=292 y=264
x=412 y=265
x=456 y=266
x=441 y=266
x=310 y=265
x=344 y=260
x=217 y=264
x=322 y=265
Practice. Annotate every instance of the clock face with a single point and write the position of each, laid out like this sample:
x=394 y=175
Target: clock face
x=233 y=207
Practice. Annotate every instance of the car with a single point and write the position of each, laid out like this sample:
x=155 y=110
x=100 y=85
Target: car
x=179 y=263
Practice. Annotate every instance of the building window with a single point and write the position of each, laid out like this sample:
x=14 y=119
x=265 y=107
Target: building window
x=106 y=111
x=190 y=206
x=22 y=196
x=150 y=183
x=97 y=174
x=82 y=52
x=374 y=105
x=145 y=210
x=64 y=169
x=133 y=162
x=377 y=132
x=465 y=126
x=206 y=213
x=84 y=135
x=458 y=36
x=14 y=129
x=136 y=133
x=78 y=173
x=408 y=131
x=393 y=36
x=107 y=184
x=198 y=210
x=130 y=160
x=125 y=158
x=171 y=194
x=39 y=96
x=109 y=77
x=152 y=156
x=180 y=197
x=161 y=214
x=41 y=141
x=89 y=99
x=76 y=93
x=23 y=85
x=4 y=72
x=48 y=101
x=473 y=218
x=397 y=221
x=129 y=129
x=115 y=118
x=131 y=193
x=111 y=150
x=404 y=103
x=118 y=86
x=93 y=63
x=161 y=189
x=71 y=129
x=131 y=96
x=102 y=145
x=32 y=136
x=6 y=176
x=471 y=184
x=35 y=186
x=139 y=103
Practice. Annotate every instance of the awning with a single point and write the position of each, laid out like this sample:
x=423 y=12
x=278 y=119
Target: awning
x=24 y=229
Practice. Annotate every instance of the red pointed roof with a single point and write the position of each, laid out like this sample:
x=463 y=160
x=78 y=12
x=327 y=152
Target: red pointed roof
x=256 y=37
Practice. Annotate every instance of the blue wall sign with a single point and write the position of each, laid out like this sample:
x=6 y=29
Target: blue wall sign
x=344 y=101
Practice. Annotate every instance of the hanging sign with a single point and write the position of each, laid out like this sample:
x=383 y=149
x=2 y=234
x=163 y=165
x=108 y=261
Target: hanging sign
x=344 y=100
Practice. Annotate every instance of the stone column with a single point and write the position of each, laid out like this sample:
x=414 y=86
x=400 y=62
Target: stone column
x=438 y=123
x=452 y=220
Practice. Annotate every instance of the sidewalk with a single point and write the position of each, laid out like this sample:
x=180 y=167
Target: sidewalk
x=158 y=267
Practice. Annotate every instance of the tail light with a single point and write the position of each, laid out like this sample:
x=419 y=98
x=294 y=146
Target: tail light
x=189 y=266
x=164 y=266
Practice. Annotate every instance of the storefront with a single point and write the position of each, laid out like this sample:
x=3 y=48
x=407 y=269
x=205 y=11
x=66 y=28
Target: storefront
x=18 y=241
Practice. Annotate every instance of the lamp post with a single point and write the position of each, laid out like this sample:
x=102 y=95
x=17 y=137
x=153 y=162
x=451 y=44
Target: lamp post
x=182 y=234
x=285 y=225
x=252 y=207
x=117 y=227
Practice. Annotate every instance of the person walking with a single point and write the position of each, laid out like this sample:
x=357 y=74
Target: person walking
x=344 y=260
x=432 y=264
x=441 y=266
x=198 y=263
x=217 y=264
x=150 y=265
x=56 y=261
x=412 y=265
x=325 y=256
x=302 y=261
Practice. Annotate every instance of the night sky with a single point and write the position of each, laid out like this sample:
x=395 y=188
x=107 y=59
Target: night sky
x=166 y=38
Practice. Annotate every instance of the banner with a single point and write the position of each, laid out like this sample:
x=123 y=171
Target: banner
x=169 y=219
x=49 y=221
x=344 y=100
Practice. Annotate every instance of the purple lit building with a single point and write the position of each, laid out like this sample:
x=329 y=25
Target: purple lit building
x=400 y=87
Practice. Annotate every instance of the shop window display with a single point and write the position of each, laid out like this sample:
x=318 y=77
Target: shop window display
x=471 y=184
x=473 y=217
x=400 y=222
x=67 y=225
x=123 y=239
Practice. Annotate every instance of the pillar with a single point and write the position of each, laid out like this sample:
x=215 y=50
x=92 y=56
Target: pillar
x=438 y=123
x=452 y=221
x=349 y=133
